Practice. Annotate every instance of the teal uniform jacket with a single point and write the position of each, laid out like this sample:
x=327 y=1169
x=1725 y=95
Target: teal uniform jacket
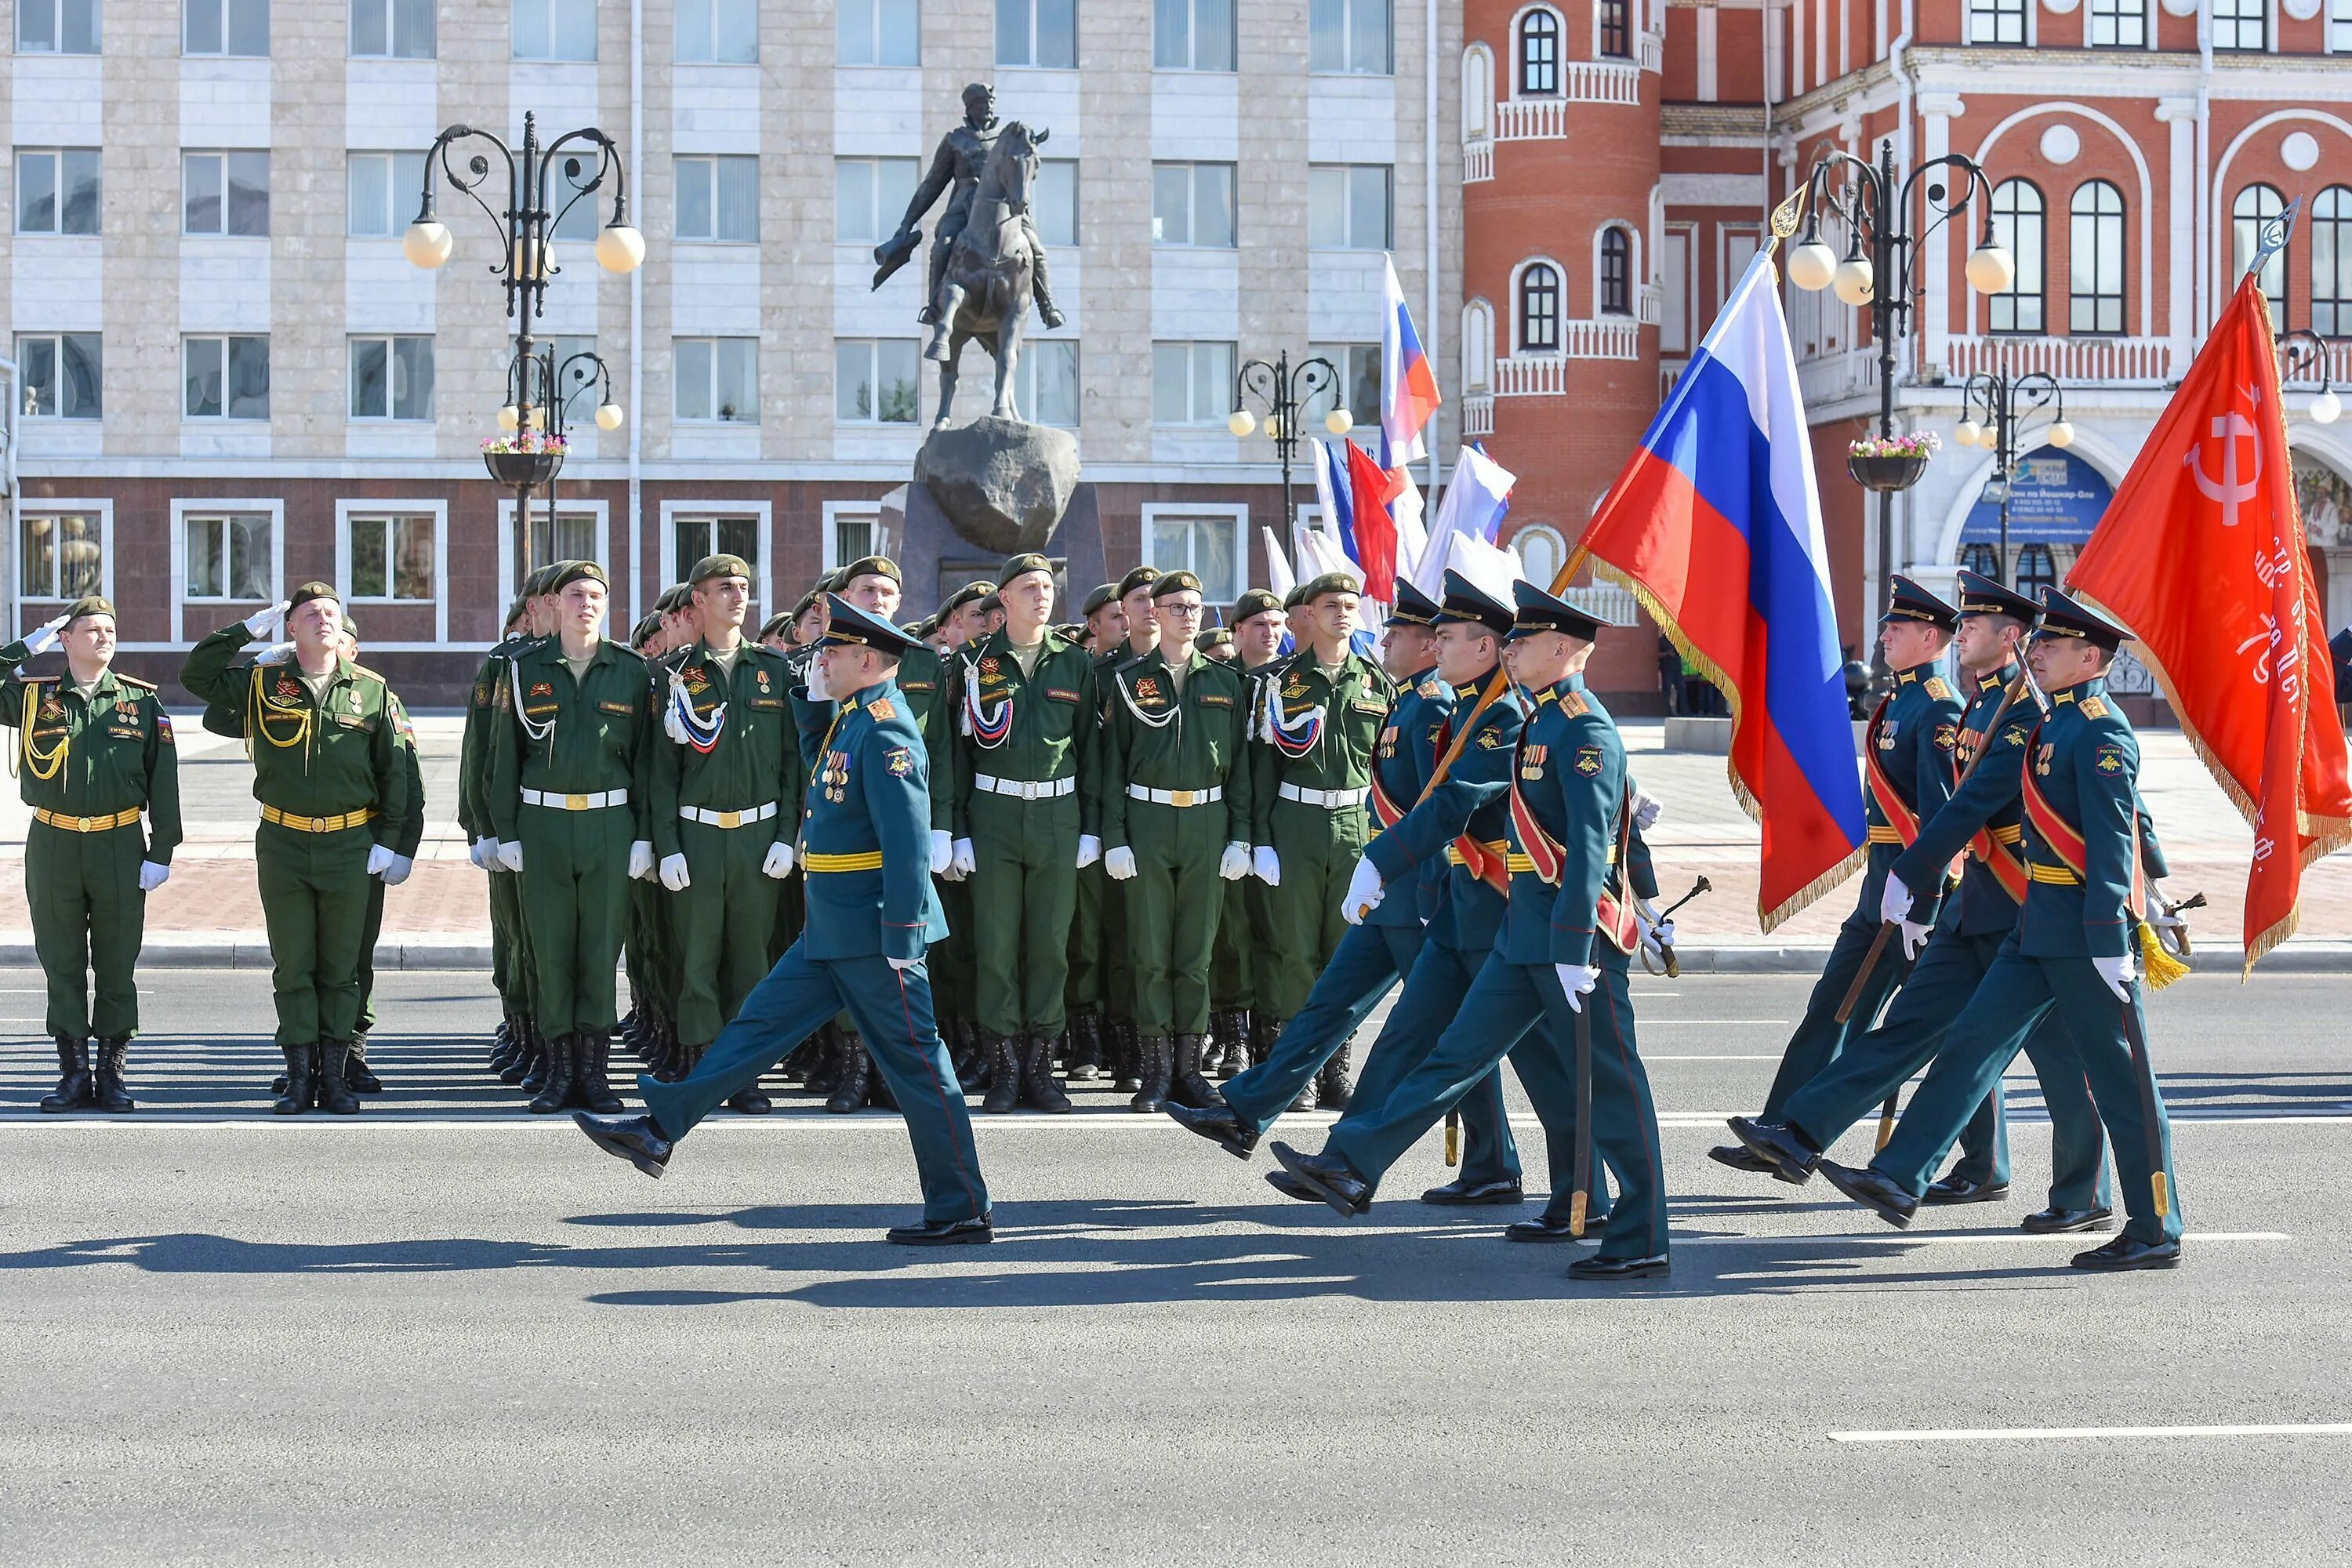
x=1988 y=799
x=1572 y=774
x=869 y=800
x=1403 y=760
x=1915 y=740
x=1473 y=801
x=2085 y=763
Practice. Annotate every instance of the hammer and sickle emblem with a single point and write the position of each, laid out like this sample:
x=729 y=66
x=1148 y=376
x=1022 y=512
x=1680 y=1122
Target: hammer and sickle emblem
x=2231 y=490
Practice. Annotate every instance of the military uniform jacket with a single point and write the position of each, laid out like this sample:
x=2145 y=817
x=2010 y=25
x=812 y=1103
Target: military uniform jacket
x=1404 y=759
x=866 y=832
x=109 y=755
x=1913 y=738
x=1316 y=732
x=1030 y=729
x=1473 y=802
x=408 y=827
x=723 y=743
x=1160 y=739
x=1570 y=773
x=563 y=736
x=2086 y=764
x=483 y=712
x=342 y=755
x=922 y=682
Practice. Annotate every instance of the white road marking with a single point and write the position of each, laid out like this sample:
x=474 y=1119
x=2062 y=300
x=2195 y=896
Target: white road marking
x=2007 y=1434
x=254 y=1112
x=1957 y=1239
x=1654 y=1056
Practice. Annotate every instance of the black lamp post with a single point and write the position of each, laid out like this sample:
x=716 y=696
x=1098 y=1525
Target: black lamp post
x=2303 y=352
x=2008 y=402
x=525 y=264
x=1282 y=389
x=1877 y=271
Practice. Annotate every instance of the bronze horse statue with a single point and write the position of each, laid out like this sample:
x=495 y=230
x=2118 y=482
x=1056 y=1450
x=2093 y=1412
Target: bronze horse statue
x=989 y=283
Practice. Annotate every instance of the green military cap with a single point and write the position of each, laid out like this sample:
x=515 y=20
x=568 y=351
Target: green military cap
x=578 y=571
x=648 y=626
x=351 y=625
x=870 y=566
x=1028 y=561
x=309 y=591
x=88 y=604
x=1176 y=582
x=1102 y=593
x=1255 y=603
x=778 y=625
x=1076 y=633
x=991 y=602
x=1296 y=598
x=672 y=599
x=711 y=566
x=1141 y=577
x=1330 y=583
x=1214 y=639
x=807 y=603
x=514 y=611
x=541 y=577
x=964 y=595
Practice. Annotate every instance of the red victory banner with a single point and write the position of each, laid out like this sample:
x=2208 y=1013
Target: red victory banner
x=2201 y=555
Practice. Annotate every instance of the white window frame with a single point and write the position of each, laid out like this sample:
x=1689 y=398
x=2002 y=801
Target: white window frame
x=1347 y=34
x=1236 y=512
x=392 y=34
x=225 y=52
x=1193 y=167
x=58 y=358
x=1477 y=344
x=2146 y=27
x=391 y=363
x=399 y=212
x=223 y=417
x=829 y=557
x=56 y=10
x=2269 y=28
x=1559 y=321
x=1077 y=39
x=710 y=162
x=711 y=9
x=875 y=39
x=58 y=229
x=873 y=364
x=270 y=195
x=712 y=420
x=183 y=507
x=1078 y=204
x=1224 y=402
x=2028 y=20
x=58 y=506
x=1560 y=66
x=1634 y=277
x=596 y=27
x=869 y=165
x=1025 y=382
x=346 y=511
x=763 y=586
x=620 y=617
x=1348 y=208
x=1545 y=530
x=1192 y=37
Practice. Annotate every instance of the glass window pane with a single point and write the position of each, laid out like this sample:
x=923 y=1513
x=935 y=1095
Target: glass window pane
x=411 y=576
x=1327 y=206
x=413 y=29
x=1171 y=383
x=1057 y=33
x=693 y=30
x=249 y=193
x=371 y=558
x=1012 y=32
x=1056 y=371
x=529 y=29
x=371 y=194
x=1172 y=543
x=37 y=361
x=203 y=25
x=853 y=381
x=894 y=181
x=739 y=536
x=37 y=27
x=1171 y=197
x=1171 y=34
x=37 y=193
x=901 y=33
x=853 y=200
x=575 y=29
x=693 y=371
x=1055 y=202
x=248 y=378
x=200 y=175
x=1213 y=558
x=1368 y=208
x=738 y=218
x=81 y=178
x=80 y=26
x=1213 y=35
x=853 y=33
x=203 y=374
x=1327 y=35
x=737 y=31
x=370 y=376
x=694 y=179
x=412 y=378
x=370 y=26
x=81 y=564
x=738 y=389
x=1212 y=381
x=574 y=219
x=204 y=554
x=1368 y=39
x=249 y=558
x=37 y=553
x=248 y=27
x=897 y=371
x=1213 y=203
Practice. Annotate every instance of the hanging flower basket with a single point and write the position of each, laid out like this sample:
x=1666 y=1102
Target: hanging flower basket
x=521 y=459
x=1890 y=462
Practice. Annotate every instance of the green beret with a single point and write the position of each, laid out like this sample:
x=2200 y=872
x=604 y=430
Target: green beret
x=923 y=628
x=1102 y=595
x=672 y=599
x=965 y=596
x=991 y=602
x=1014 y=565
x=711 y=566
x=1074 y=633
x=536 y=581
x=1215 y=637
x=514 y=611
x=1256 y=601
x=309 y=591
x=807 y=603
x=1175 y=583
x=90 y=605
x=871 y=566
x=1142 y=576
x=350 y=626
x=649 y=627
x=1296 y=598
x=778 y=625
x=1330 y=583
x=578 y=571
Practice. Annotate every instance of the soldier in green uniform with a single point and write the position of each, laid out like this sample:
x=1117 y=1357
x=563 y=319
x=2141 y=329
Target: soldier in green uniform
x=407 y=835
x=1026 y=807
x=567 y=795
x=1176 y=818
x=959 y=619
x=647 y=1027
x=1105 y=636
x=1117 y=985
x=334 y=789
x=93 y=749
x=524 y=1054
x=1246 y=930
x=1319 y=716
x=1218 y=643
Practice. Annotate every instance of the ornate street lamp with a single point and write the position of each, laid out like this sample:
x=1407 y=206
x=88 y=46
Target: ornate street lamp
x=1282 y=389
x=2009 y=401
x=2301 y=352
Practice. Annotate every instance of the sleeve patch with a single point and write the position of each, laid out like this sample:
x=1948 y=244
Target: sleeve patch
x=1948 y=736
x=163 y=727
x=1588 y=761
x=2111 y=760
x=900 y=760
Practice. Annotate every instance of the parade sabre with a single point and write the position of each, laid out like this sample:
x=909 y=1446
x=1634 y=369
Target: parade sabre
x=1674 y=969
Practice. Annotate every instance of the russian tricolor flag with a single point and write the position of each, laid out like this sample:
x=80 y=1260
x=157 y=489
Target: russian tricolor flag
x=1408 y=386
x=1716 y=525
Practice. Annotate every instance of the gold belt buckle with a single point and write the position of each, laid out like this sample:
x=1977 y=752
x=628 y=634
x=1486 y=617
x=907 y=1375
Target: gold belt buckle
x=575 y=802
x=730 y=819
x=1179 y=797
x=82 y=825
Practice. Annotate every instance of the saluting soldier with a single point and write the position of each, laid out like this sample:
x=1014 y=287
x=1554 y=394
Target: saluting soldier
x=567 y=795
x=1176 y=818
x=518 y=1048
x=872 y=910
x=1908 y=750
x=2072 y=953
x=1320 y=715
x=334 y=789
x=1027 y=799
x=1105 y=621
x=94 y=749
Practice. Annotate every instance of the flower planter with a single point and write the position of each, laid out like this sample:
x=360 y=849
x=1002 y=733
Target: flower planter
x=515 y=470
x=1891 y=473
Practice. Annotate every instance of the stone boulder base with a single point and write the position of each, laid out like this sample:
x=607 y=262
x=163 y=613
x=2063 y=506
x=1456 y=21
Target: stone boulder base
x=1004 y=484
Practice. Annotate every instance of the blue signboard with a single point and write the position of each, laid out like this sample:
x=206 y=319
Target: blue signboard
x=2056 y=498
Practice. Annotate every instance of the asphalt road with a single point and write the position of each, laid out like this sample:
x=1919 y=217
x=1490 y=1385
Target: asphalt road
x=447 y=1331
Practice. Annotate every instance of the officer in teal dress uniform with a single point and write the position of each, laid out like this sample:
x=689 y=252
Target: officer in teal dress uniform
x=2072 y=953
x=1549 y=964
x=872 y=914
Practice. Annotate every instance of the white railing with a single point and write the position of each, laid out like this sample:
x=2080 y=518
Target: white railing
x=1653 y=51
x=1478 y=415
x=1581 y=82
x=1652 y=305
x=2103 y=362
x=1546 y=375
x=1670 y=371
x=1477 y=161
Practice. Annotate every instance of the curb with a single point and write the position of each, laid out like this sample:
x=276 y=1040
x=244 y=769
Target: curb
x=2314 y=957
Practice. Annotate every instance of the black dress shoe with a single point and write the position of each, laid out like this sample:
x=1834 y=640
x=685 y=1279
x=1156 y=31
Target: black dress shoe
x=1957 y=1189
x=1290 y=1186
x=1866 y=1186
x=977 y=1231
x=2130 y=1252
x=1218 y=1124
x=1618 y=1268
x=1776 y=1144
x=1543 y=1227
x=1461 y=1194
x=1740 y=1158
x=2051 y=1221
x=751 y=1101
x=1333 y=1180
x=632 y=1138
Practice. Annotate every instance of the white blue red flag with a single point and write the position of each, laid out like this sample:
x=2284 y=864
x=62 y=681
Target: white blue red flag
x=1408 y=385
x=1716 y=525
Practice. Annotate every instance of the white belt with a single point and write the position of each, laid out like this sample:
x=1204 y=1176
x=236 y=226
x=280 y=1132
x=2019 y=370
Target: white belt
x=1021 y=790
x=726 y=818
x=1330 y=799
x=1179 y=797
x=593 y=802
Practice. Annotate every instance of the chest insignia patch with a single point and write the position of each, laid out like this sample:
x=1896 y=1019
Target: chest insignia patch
x=990 y=665
x=52 y=709
x=900 y=760
x=1148 y=689
x=287 y=688
x=541 y=688
x=1588 y=761
x=882 y=709
x=1297 y=688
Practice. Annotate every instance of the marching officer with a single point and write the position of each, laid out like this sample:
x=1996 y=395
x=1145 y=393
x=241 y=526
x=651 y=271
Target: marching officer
x=872 y=912
x=1908 y=752
x=568 y=802
x=1558 y=970
x=94 y=749
x=1175 y=818
x=2071 y=953
x=334 y=789
x=1321 y=712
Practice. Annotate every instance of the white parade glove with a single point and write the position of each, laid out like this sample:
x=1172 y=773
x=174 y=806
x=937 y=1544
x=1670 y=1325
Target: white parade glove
x=1266 y=865
x=1234 y=866
x=43 y=637
x=1119 y=863
x=153 y=876
x=397 y=872
x=816 y=691
x=904 y=963
x=510 y=854
x=942 y=853
x=1656 y=937
x=1577 y=980
x=1364 y=892
x=1089 y=850
x=276 y=653
x=674 y=875
x=1646 y=811
x=380 y=859
x=1895 y=902
x=262 y=622
x=1915 y=937
x=2117 y=973
x=483 y=853
x=640 y=858
x=967 y=861
x=779 y=863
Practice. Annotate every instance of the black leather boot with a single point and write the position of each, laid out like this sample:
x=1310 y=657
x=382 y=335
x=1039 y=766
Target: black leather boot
x=855 y=1079
x=877 y=1088
x=356 y=1071
x=751 y=1099
x=1038 y=1085
x=106 y=1060
x=301 y=1070
x=1131 y=1064
x=563 y=1070
x=1003 y=1072
x=1186 y=1084
x=800 y=1061
x=830 y=1064
x=529 y=1070
x=74 y=1087
x=1265 y=1035
x=1331 y=1084
x=1152 y=1079
x=630 y=1032
x=1083 y=1056
x=502 y=1044
x=595 y=1091
x=333 y=1087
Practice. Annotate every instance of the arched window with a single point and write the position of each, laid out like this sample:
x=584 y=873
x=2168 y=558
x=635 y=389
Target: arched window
x=1477 y=346
x=2035 y=571
x=1981 y=559
x=1477 y=92
x=1542 y=552
x=2095 y=260
x=2256 y=205
x=1539 y=308
x=2331 y=263
x=2017 y=224
x=1616 y=32
x=1539 y=53
x=1616 y=273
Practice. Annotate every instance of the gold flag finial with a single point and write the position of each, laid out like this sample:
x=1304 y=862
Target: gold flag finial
x=1786 y=216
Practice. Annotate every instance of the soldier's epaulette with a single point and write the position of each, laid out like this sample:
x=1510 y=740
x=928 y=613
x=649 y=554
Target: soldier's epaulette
x=1124 y=665
x=2095 y=708
x=1074 y=636
x=1573 y=704
x=1432 y=689
x=1935 y=688
x=881 y=710
x=37 y=679
x=135 y=683
x=358 y=669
